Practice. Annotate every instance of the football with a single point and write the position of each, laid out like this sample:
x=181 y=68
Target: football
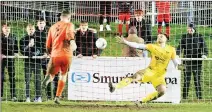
x=101 y=43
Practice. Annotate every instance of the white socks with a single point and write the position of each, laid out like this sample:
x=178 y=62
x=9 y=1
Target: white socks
x=108 y=28
x=101 y=28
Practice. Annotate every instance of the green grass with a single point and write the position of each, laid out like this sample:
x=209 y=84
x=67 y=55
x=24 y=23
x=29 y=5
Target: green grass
x=113 y=49
x=104 y=107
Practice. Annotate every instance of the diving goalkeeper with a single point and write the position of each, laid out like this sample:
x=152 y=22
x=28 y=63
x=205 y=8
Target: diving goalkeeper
x=161 y=54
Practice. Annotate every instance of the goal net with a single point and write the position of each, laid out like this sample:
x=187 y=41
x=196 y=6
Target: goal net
x=88 y=78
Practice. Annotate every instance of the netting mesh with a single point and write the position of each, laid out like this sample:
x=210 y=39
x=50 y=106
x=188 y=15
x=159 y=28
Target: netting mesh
x=23 y=70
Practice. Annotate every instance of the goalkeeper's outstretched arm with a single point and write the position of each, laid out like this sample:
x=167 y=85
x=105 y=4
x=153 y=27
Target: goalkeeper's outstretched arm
x=131 y=44
x=176 y=62
x=175 y=59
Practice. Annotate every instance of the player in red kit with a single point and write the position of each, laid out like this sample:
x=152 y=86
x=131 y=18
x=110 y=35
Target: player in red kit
x=163 y=8
x=124 y=8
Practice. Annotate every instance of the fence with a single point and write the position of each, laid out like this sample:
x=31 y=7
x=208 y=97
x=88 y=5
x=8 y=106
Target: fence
x=20 y=13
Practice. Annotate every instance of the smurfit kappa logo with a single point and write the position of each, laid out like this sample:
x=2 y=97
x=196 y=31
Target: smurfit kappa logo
x=81 y=77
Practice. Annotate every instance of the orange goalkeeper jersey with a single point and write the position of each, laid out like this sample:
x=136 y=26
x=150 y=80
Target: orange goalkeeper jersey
x=59 y=37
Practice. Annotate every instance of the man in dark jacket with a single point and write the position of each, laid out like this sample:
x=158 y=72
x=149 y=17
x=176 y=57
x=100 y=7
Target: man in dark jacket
x=85 y=40
x=192 y=45
x=9 y=47
x=31 y=46
x=41 y=32
x=143 y=26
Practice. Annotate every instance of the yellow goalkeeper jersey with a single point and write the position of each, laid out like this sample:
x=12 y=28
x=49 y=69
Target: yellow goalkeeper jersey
x=160 y=57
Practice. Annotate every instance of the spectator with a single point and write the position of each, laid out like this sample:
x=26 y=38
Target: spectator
x=30 y=46
x=41 y=32
x=85 y=40
x=9 y=47
x=132 y=37
x=143 y=26
x=124 y=8
x=192 y=45
x=105 y=11
x=163 y=8
x=45 y=15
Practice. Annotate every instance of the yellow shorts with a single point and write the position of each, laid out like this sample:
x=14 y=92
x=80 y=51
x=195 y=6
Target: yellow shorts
x=153 y=76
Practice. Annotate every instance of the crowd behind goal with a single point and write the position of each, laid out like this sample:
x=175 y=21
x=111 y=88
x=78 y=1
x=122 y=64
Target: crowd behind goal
x=113 y=19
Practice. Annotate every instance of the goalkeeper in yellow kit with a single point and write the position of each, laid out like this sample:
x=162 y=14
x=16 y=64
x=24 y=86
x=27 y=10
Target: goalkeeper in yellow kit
x=161 y=54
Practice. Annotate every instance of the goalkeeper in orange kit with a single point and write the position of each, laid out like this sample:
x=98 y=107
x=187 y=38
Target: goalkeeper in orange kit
x=161 y=54
x=60 y=45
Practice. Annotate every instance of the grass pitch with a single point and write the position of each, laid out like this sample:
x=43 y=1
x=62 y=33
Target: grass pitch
x=104 y=107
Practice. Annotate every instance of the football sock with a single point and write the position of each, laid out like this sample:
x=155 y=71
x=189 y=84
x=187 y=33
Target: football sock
x=168 y=31
x=159 y=28
x=46 y=80
x=120 y=28
x=60 y=87
x=123 y=83
x=127 y=28
x=150 y=97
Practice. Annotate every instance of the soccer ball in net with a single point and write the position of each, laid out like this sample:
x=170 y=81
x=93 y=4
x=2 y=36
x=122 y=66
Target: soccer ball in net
x=101 y=43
